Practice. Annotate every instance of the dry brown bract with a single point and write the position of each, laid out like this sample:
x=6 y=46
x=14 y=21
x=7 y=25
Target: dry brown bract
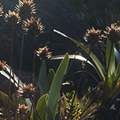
x=12 y=18
x=26 y=7
x=43 y=53
x=4 y=39
x=1 y=10
x=112 y=33
x=22 y=109
x=2 y=65
x=33 y=26
x=92 y=36
x=27 y=91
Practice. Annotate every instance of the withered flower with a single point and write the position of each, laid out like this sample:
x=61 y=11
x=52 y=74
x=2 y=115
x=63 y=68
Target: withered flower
x=33 y=26
x=92 y=36
x=1 y=10
x=112 y=33
x=26 y=7
x=2 y=65
x=26 y=91
x=4 y=39
x=43 y=53
x=12 y=18
x=22 y=109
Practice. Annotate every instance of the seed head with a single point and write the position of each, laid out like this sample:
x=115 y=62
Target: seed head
x=112 y=33
x=22 y=109
x=12 y=18
x=26 y=7
x=33 y=26
x=43 y=53
x=2 y=65
x=26 y=91
x=1 y=10
x=4 y=39
x=92 y=36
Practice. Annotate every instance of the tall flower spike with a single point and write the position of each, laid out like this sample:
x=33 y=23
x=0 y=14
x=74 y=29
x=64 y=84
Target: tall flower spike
x=1 y=10
x=112 y=33
x=43 y=53
x=33 y=26
x=26 y=7
x=2 y=65
x=92 y=36
x=12 y=18
x=27 y=91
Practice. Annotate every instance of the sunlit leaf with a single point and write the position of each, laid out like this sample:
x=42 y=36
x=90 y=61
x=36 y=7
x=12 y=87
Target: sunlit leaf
x=54 y=92
x=41 y=106
x=111 y=71
x=93 y=57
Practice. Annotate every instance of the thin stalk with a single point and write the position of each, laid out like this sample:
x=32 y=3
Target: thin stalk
x=79 y=84
x=23 y=32
x=7 y=51
x=4 y=107
x=10 y=71
x=39 y=70
x=21 y=58
x=35 y=108
x=33 y=59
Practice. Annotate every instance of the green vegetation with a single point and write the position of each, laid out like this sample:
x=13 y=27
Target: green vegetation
x=49 y=104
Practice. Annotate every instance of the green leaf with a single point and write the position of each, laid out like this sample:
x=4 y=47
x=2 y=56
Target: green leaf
x=93 y=57
x=42 y=78
x=111 y=71
x=5 y=99
x=117 y=55
x=77 y=57
x=41 y=106
x=54 y=93
x=118 y=71
x=50 y=79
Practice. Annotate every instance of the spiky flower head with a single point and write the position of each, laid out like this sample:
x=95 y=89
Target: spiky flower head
x=2 y=65
x=92 y=36
x=26 y=7
x=112 y=33
x=4 y=39
x=33 y=26
x=22 y=109
x=26 y=91
x=1 y=10
x=43 y=53
x=12 y=18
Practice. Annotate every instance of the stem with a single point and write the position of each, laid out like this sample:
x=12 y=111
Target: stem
x=10 y=71
x=21 y=58
x=35 y=108
x=33 y=58
x=79 y=84
x=7 y=51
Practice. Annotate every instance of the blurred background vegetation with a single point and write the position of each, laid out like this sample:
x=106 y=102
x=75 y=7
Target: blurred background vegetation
x=98 y=13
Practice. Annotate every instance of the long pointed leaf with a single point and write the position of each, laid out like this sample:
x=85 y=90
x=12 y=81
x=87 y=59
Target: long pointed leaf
x=42 y=78
x=117 y=54
x=77 y=57
x=50 y=79
x=111 y=71
x=54 y=93
x=41 y=106
x=93 y=57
